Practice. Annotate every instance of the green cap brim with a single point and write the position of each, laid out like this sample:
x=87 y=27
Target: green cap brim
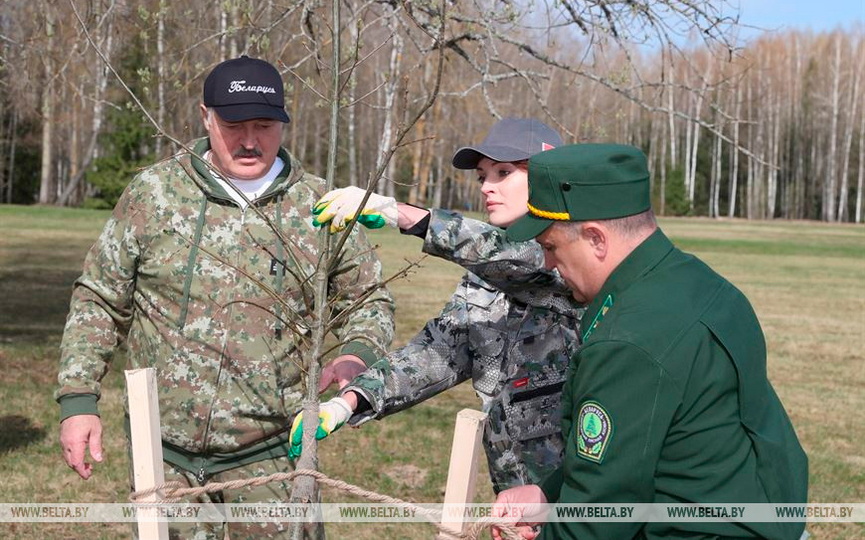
x=527 y=227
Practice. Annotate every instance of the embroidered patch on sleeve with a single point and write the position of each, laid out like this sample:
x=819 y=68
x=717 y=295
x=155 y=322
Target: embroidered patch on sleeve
x=594 y=431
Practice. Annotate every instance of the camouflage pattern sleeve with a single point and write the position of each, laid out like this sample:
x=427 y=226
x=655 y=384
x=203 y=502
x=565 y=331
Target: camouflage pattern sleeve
x=484 y=250
x=363 y=305
x=100 y=310
x=436 y=359
x=515 y=268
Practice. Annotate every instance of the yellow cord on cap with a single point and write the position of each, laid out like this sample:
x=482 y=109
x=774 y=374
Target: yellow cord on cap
x=558 y=216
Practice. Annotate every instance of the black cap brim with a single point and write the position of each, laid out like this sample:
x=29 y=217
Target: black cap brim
x=468 y=157
x=527 y=227
x=242 y=112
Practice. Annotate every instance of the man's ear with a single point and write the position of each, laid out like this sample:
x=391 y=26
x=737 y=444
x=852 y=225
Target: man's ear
x=205 y=117
x=597 y=237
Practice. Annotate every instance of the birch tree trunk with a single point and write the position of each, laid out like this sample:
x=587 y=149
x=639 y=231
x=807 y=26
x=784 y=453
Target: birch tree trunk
x=774 y=133
x=351 y=113
x=385 y=184
x=691 y=169
x=734 y=154
x=830 y=188
x=46 y=175
x=441 y=177
x=861 y=177
x=671 y=118
x=105 y=42
x=160 y=71
x=715 y=179
x=852 y=109
x=749 y=180
x=662 y=189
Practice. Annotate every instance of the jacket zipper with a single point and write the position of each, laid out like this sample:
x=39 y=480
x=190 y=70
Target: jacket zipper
x=221 y=356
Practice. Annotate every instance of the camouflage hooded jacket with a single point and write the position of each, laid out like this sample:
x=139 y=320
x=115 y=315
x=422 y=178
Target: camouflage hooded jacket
x=512 y=333
x=189 y=278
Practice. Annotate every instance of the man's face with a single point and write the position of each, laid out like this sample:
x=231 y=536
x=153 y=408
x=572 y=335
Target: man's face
x=243 y=150
x=572 y=255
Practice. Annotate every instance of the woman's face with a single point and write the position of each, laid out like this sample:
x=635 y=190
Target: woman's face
x=506 y=190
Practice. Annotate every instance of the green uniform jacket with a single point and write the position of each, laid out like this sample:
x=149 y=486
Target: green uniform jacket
x=668 y=402
x=188 y=279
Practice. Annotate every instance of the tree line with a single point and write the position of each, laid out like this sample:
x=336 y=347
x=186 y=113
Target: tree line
x=93 y=90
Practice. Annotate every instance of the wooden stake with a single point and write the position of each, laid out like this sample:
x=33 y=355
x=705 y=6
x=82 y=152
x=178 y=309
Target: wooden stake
x=463 y=468
x=146 y=441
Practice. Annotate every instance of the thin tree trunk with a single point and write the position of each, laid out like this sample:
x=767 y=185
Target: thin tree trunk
x=351 y=120
x=861 y=175
x=13 y=138
x=385 y=185
x=439 y=184
x=46 y=175
x=715 y=180
x=691 y=167
x=843 y=212
x=734 y=154
x=5 y=143
x=305 y=488
x=663 y=187
x=426 y=156
x=797 y=157
x=671 y=119
x=160 y=71
x=99 y=87
x=416 y=193
x=774 y=132
x=861 y=178
x=223 y=35
x=830 y=188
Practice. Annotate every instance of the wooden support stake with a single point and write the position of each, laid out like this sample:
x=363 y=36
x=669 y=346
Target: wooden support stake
x=463 y=468
x=146 y=444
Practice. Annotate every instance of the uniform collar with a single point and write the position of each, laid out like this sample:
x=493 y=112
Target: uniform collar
x=638 y=263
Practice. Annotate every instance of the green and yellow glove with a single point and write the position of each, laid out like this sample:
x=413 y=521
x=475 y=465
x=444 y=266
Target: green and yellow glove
x=331 y=416
x=339 y=206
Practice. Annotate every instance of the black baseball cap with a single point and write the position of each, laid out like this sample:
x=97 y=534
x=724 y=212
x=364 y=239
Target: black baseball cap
x=509 y=140
x=244 y=89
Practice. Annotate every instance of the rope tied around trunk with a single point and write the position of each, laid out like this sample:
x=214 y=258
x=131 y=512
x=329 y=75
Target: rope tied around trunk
x=171 y=492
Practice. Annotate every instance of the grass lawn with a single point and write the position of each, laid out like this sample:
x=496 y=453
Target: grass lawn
x=805 y=280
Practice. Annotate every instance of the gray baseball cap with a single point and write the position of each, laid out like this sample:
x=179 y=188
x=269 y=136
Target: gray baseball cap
x=509 y=140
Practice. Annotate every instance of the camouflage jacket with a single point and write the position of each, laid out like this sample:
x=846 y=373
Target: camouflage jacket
x=515 y=346
x=188 y=278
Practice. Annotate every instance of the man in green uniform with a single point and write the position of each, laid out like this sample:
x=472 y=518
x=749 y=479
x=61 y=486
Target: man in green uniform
x=668 y=400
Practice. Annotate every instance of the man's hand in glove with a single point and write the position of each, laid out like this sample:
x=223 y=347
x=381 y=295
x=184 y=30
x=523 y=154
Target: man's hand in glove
x=339 y=206
x=331 y=416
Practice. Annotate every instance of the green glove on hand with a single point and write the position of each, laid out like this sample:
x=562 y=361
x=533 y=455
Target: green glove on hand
x=331 y=416
x=339 y=206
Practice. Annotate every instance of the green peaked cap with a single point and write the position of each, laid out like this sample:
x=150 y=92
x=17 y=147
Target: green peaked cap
x=582 y=182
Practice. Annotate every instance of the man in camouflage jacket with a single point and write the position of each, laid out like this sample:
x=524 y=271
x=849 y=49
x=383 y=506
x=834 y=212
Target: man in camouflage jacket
x=510 y=326
x=214 y=291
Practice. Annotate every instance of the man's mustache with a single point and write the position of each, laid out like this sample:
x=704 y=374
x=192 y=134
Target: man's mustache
x=245 y=153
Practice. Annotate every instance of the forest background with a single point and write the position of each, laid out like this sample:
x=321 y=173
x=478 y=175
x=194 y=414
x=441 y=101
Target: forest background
x=770 y=127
